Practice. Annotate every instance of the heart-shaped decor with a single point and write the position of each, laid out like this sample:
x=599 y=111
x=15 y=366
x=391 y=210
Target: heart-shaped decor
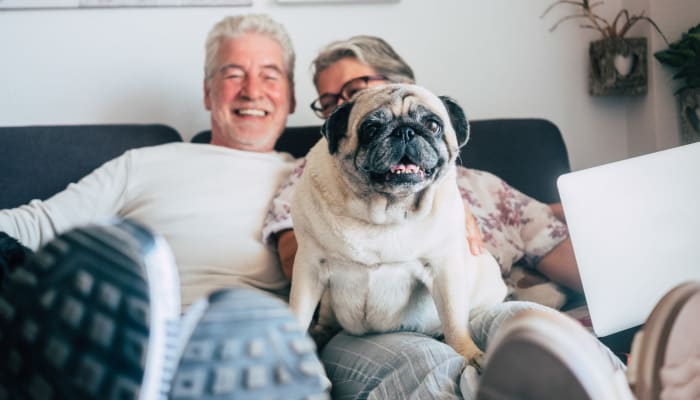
x=624 y=64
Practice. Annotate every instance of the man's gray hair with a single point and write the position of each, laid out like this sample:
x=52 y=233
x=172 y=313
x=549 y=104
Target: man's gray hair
x=231 y=27
x=369 y=50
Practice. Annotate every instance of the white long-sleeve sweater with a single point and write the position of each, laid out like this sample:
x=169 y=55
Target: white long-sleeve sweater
x=208 y=202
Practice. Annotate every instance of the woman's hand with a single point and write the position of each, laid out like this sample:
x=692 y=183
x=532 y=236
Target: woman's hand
x=287 y=249
x=476 y=242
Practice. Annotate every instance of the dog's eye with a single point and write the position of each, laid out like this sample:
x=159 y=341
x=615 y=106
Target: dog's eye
x=432 y=125
x=369 y=129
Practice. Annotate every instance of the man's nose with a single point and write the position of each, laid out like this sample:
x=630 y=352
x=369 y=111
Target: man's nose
x=252 y=87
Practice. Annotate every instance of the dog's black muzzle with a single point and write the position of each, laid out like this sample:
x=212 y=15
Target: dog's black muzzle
x=403 y=154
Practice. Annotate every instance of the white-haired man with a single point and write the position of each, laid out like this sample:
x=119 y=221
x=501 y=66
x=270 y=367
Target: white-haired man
x=90 y=316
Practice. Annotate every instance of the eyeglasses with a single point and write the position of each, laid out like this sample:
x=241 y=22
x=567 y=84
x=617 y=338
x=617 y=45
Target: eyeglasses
x=324 y=105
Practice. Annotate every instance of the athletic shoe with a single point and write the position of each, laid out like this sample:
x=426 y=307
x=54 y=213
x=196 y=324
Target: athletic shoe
x=545 y=355
x=665 y=359
x=243 y=343
x=92 y=315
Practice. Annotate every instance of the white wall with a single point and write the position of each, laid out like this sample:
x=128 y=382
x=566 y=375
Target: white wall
x=497 y=58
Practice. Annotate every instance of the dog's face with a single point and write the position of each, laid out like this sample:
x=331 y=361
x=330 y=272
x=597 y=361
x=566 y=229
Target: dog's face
x=396 y=139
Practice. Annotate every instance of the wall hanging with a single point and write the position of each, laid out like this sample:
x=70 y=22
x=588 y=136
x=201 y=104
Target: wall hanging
x=617 y=64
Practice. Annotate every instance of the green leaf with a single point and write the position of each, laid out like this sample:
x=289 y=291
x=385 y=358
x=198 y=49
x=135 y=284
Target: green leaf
x=672 y=58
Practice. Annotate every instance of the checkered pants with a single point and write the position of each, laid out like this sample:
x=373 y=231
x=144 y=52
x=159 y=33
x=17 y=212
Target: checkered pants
x=407 y=365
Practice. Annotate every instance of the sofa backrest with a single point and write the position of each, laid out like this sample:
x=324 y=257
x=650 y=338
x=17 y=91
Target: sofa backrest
x=529 y=154
x=39 y=161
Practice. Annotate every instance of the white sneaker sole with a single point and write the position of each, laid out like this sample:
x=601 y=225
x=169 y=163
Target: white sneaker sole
x=241 y=343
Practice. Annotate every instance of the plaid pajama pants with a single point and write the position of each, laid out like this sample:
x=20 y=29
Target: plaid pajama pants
x=407 y=365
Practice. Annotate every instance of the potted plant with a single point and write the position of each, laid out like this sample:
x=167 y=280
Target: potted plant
x=618 y=65
x=684 y=56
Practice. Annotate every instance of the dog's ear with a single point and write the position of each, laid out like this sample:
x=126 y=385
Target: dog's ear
x=336 y=126
x=458 y=119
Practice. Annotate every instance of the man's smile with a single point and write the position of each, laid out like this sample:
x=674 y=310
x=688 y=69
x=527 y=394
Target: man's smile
x=250 y=112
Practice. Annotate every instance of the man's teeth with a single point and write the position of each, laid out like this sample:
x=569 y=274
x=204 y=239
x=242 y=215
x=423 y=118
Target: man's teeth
x=252 y=112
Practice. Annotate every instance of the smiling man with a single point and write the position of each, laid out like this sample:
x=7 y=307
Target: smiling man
x=208 y=201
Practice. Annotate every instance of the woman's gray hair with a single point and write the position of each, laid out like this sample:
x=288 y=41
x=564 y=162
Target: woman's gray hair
x=369 y=50
x=231 y=27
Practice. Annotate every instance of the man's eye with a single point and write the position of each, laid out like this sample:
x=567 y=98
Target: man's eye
x=234 y=76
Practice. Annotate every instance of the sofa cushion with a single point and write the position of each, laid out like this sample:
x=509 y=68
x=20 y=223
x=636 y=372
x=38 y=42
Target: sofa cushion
x=39 y=161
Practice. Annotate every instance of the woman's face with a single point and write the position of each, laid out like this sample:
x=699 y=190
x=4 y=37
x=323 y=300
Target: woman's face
x=334 y=79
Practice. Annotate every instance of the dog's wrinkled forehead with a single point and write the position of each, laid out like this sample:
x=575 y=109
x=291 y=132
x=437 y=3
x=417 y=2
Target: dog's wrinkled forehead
x=395 y=100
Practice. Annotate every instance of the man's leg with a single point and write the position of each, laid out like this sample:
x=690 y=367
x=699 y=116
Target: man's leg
x=95 y=315
x=242 y=343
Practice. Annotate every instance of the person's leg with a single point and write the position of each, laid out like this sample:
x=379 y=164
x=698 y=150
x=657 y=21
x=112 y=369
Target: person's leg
x=92 y=315
x=542 y=354
x=392 y=366
x=665 y=359
x=410 y=365
x=95 y=314
x=242 y=343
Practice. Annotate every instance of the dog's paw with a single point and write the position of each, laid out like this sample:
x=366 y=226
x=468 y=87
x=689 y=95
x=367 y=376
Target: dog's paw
x=476 y=361
x=12 y=254
x=322 y=334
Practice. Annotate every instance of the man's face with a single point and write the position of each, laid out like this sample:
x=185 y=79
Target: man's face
x=249 y=95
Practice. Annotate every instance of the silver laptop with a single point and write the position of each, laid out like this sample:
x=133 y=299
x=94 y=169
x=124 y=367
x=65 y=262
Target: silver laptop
x=635 y=229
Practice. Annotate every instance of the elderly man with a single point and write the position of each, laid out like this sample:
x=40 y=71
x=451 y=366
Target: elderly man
x=99 y=299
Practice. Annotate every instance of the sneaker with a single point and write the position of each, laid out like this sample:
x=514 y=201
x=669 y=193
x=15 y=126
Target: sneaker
x=546 y=355
x=92 y=315
x=243 y=343
x=665 y=359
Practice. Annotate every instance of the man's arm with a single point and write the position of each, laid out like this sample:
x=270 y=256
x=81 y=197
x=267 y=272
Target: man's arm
x=96 y=197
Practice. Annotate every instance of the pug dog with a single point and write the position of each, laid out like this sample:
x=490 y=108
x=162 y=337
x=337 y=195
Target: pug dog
x=380 y=222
